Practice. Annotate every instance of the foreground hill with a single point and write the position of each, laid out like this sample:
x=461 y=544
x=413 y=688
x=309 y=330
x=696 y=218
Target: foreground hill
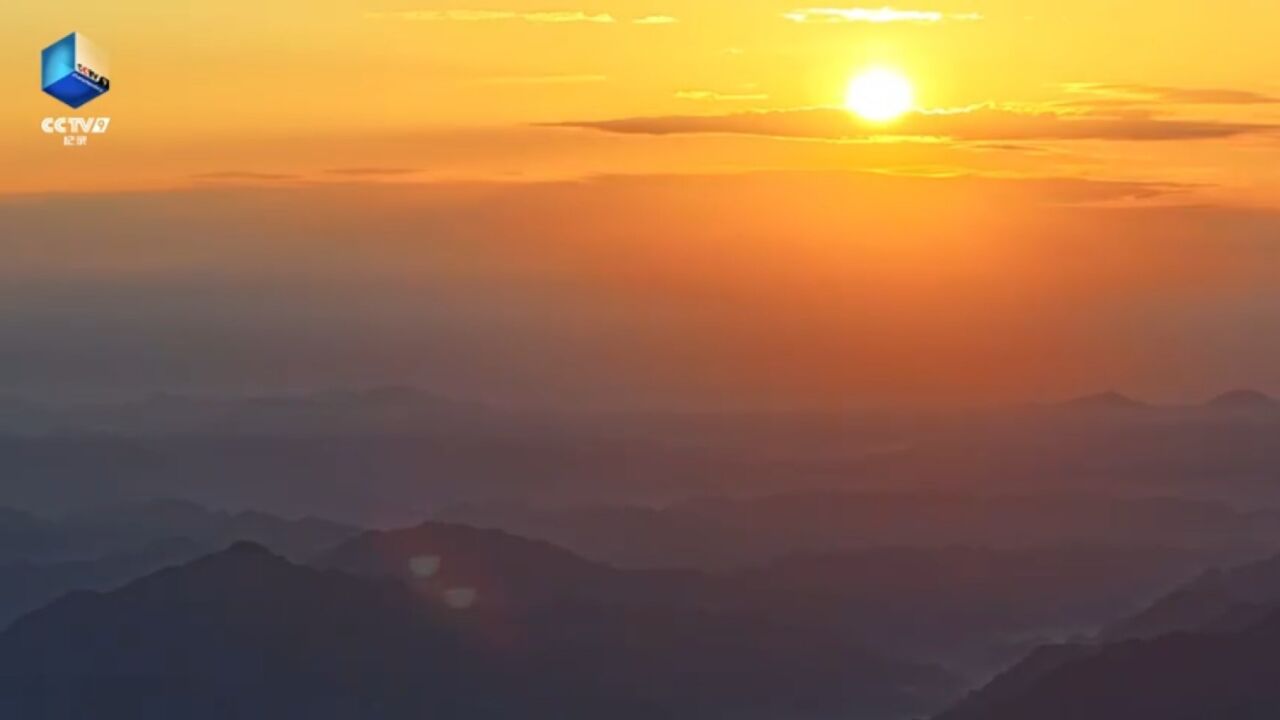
x=42 y=558
x=975 y=610
x=497 y=568
x=1214 y=598
x=1229 y=674
x=1209 y=649
x=28 y=586
x=245 y=633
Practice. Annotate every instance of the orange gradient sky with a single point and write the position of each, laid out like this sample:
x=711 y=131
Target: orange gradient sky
x=462 y=89
x=648 y=202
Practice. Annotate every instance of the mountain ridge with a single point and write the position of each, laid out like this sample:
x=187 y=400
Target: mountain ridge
x=244 y=629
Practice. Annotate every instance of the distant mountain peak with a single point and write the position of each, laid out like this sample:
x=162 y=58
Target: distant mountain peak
x=1244 y=399
x=247 y=548
x=447 y=556
x=1109 y=399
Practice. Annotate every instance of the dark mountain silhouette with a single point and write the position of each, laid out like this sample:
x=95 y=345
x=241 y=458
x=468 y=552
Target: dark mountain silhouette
x=378 y=410
x=495 y=568
x=387 y=456
x=1244 y=401
x=1227 y=674
x=129 y=528
x=138 y=524
x=1215 y=597
x=245 y=633
x=21 y=417
x=1105 y=401
x=720 y=532
x=22 y=535
x=1019 y=679
x=360 y=477
x=1222 y=616
x=28 y=586
x=973 y=609
x=469 y=552
x=41 y=559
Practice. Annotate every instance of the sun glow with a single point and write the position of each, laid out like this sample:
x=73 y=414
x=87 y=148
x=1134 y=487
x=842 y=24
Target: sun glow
x=880 y=95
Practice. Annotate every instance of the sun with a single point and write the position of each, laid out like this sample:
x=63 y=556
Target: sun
x=880 y=95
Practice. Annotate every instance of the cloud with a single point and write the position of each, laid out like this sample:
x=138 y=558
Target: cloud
x=545 y=79
x=713 y=96
x=552 y=16
x=371 y=171
x=977 y=123
x=874 y=15
x=548 y=16
x=1124 y=93
x=233 y=175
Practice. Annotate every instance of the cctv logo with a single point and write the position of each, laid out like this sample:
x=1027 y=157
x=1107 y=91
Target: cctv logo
x=74 y=71
x=74 y=125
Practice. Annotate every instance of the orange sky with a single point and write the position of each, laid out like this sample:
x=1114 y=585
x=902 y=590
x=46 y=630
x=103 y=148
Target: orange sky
x=297 y=87
x=647 y=200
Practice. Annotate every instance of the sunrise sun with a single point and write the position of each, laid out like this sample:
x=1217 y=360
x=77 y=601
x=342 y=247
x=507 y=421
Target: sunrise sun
x=880 y=95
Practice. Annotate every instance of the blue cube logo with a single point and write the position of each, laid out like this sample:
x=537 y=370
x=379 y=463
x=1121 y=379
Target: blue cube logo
x=74 y=70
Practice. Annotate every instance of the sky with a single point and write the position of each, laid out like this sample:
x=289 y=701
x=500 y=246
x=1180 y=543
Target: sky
x=630 y=202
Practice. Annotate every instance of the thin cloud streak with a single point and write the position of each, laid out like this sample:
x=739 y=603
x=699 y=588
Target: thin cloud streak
x=234 y=175
x=978 y=123
x=371 y=171
x=545 y=79
x=879 y=15
x=713 y=96
x=1139 y=93
x=553 y=16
